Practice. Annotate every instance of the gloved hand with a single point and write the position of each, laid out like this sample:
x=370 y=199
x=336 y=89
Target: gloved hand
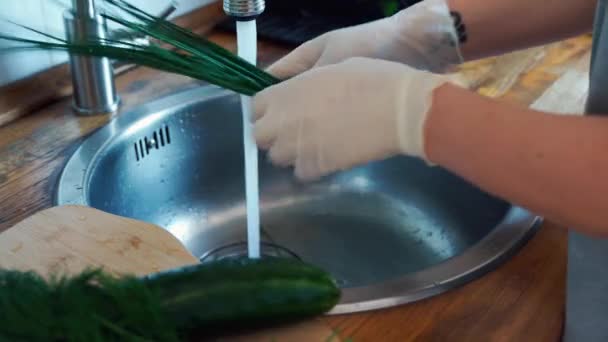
x=339 y=116
x=422 y=36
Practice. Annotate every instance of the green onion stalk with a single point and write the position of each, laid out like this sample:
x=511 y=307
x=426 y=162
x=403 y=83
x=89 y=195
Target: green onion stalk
x=173 y=49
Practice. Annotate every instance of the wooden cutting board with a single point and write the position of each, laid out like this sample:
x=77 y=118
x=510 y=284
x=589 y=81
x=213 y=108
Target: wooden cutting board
x=68 y=239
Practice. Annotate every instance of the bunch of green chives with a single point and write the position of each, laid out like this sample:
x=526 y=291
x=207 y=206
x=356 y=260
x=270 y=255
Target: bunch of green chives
x=175 y=50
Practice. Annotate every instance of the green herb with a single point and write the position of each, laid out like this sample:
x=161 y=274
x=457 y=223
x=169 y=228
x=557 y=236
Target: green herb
x=175 y=50
x=333 y=336
x=91 y=306
x=336 y=335
x=389 y=7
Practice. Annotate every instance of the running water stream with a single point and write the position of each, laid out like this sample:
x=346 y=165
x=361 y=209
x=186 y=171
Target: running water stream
x=247 y=49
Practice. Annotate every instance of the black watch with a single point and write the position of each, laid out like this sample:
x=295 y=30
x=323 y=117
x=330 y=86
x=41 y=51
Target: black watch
x=459 y=26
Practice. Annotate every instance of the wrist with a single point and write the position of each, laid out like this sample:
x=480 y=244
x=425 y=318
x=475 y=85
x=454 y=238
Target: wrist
x=414 y=101
x=461 y=123
x=444 y=120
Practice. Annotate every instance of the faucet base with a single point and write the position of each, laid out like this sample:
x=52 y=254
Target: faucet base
x=109 y=109
x=92 y=77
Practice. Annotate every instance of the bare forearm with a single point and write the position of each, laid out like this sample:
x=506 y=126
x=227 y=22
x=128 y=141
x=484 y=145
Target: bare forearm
x=496 y=27
x=554 y=165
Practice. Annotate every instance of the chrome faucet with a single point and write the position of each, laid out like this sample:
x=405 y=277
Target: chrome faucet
x=94 y=91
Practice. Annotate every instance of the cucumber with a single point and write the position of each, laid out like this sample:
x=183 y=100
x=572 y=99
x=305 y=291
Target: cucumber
x=243 y=293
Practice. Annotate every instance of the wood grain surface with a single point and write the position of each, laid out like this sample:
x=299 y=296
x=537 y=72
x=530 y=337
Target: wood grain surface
x=69 y=239
x=522 y=300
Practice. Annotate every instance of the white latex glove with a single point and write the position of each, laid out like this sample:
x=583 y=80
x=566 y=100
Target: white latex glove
x=422 y=36
x=339 y=116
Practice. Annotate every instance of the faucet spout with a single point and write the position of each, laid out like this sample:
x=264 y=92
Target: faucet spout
x=244 y=9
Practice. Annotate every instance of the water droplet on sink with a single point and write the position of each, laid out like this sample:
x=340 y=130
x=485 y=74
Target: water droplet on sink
x=182 y=130
x=181 y=120
x=429 y=234
x=162 y=181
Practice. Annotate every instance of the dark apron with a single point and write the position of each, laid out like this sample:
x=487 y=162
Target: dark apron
x=587 y=292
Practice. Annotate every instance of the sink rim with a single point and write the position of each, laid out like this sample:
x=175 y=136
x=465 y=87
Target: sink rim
x=518 y=226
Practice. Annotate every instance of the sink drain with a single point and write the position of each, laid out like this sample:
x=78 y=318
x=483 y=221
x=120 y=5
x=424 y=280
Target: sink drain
x=239 y=250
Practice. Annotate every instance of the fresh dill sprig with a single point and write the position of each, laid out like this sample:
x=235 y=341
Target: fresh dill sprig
x=91 y=306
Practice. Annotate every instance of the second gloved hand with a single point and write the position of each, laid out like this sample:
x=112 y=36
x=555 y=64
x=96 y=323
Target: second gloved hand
x=339 y=116
x=422 y=36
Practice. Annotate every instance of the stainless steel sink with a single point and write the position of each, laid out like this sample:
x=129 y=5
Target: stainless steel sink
x=391 y=232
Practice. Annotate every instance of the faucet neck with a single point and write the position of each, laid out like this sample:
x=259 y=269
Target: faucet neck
x=84 y=8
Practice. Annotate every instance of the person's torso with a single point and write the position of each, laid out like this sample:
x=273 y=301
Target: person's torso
x=597 y=102
x=587 y=279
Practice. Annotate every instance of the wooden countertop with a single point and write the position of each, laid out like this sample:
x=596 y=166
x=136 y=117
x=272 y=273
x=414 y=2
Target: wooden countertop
x=522 y=300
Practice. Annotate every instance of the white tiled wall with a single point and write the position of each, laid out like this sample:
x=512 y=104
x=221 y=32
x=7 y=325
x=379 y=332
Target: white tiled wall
x=47 y=16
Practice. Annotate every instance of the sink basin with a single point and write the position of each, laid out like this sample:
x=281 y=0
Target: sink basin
x=390 y=232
